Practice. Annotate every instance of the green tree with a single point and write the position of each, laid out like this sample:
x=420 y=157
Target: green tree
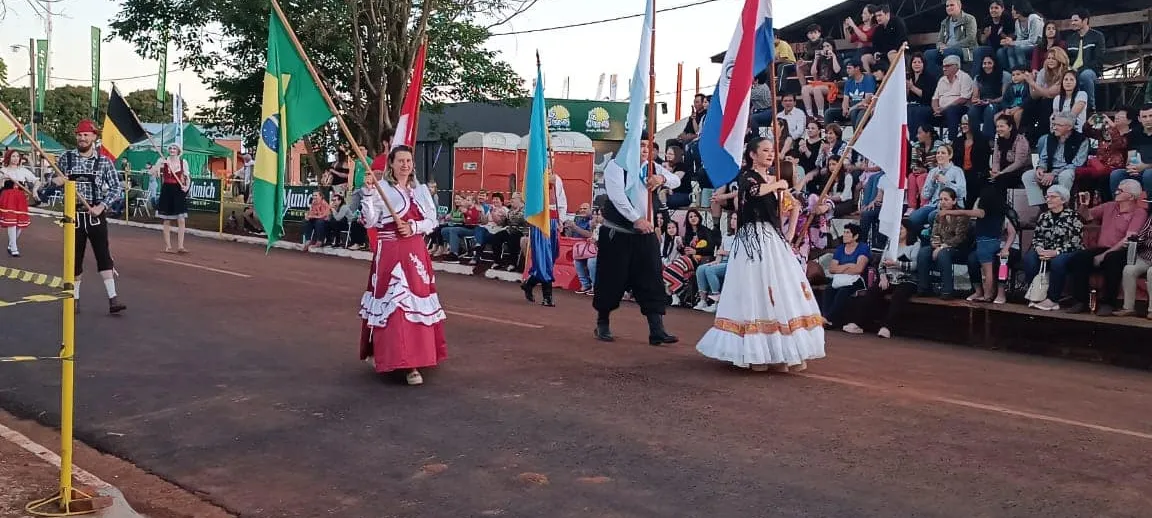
x=363 y=50
x=148 y=109
x=3 y=73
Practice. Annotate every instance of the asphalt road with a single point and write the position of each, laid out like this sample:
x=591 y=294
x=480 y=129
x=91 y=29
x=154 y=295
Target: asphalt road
x=234 y=374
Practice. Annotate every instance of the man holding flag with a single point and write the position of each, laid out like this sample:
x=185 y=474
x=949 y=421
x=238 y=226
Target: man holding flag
x=544 y=202
x=629 y=252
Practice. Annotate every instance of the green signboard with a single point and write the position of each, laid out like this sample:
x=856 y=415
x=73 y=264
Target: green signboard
x=598 y=120
x=204 y=195
x=41 y=73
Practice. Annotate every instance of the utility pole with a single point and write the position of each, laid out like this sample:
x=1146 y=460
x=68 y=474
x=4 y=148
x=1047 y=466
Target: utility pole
x=32 y=93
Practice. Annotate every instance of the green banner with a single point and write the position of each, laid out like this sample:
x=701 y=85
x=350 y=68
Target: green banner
x=95 y=71
x=204 y=195
x=162 y=81
x=297 y=201
x=598 y=120
x=41 y=73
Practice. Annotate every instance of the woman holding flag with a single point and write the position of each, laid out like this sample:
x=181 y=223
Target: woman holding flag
x=543 y=249
x=767 y=317
x=403 y=323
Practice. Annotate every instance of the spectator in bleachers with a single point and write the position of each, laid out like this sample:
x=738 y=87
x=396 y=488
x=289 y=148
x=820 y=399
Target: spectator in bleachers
x=891 y=34
x=861 y=35
x=921 y=88
x=493 y=223
x=825 y=68
x=462 y=222
x=1140 y=154
x=1118 y=219
x=681 y=196
x=1044 y=86
x=584 y=257
x=1017 y=95
x=695 y=120
x=710 y=276
x=1016 y=48
x=973 y=156
x=315 y=221
x=1011 y=154
x=511 y=240
x=849 y=262
x=957 y=36
x=949 y=235
x=858 y=91
x=990 y=37
x=816 y=236
x=785 y=61
x=1111 y=149
x=989 y=244
x=678 y=266
x=897 y=280
x=794 y=119
x=1061 y=152
x=1050 y=40
x=1059 y=235
x=1071 y=100
x=841 y=192
x=1141 y=268
x=946 y=175
x=834 y=145
x=812 y=48
x=921 y=160
x=991 y=83
x=760 y=103
x=339 y=216
x=953 y=93
x=808 y=146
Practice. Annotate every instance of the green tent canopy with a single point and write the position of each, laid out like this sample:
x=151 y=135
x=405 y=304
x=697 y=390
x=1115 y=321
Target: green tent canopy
x=19 y=143
x=197 y=148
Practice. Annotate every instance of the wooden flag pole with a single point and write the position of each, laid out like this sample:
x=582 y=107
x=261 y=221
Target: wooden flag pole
x=848 y=149
x=39 y=151
x=332 y=106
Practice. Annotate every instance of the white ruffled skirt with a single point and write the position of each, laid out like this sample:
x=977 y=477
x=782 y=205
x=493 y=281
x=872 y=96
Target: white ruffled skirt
x=767 y=314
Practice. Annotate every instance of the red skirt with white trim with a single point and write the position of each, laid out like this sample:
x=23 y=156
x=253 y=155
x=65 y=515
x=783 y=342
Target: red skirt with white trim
x=14 y=208
x=402 y=323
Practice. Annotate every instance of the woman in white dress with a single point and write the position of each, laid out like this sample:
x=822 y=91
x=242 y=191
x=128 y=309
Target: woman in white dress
x=767 y=317
x=13 y=200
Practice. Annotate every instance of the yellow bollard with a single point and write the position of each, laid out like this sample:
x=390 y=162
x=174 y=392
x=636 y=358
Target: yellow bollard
x=220 y=224
x=68 y=373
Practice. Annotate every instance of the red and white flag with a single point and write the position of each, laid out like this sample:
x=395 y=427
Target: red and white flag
x=884 y=141
x=410 y=112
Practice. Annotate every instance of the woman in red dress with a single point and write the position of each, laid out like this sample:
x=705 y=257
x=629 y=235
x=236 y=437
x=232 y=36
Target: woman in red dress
x=13 y=202
x=403 y=323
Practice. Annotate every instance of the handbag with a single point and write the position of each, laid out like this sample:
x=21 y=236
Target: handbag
x=585 y=249
x=844 y=280
x=1038 y=290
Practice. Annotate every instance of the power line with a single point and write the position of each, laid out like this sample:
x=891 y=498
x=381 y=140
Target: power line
x=596 y=22
x=154 y=74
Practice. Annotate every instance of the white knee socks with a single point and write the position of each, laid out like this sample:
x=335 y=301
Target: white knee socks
x=13 y=233
x=110 y=287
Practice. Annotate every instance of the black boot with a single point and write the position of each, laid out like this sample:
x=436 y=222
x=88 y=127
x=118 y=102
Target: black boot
x=115 y=306
x=603 y=332
x=656 y=333
x=529 y=286
x=546 y=291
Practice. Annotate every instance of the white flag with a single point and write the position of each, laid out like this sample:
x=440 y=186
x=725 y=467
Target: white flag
x=884 y=140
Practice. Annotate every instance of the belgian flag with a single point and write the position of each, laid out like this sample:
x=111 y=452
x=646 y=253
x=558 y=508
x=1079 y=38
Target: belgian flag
x=121 y=127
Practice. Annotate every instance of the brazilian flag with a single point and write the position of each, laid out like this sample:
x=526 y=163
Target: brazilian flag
x=293 y=106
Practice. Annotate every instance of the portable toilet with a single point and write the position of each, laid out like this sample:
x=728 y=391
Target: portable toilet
x=573 y=159
x=499 y=162
x=483 y=162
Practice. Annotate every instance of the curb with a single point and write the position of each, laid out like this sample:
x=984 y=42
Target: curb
x=120 y=507
x=359 y=255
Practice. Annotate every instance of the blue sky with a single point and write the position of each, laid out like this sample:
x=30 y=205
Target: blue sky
x=689 y=35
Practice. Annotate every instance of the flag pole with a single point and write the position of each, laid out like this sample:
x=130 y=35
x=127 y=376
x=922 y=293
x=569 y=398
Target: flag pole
x=332 y=106
x=39 y=150
x=652 y=113
x=855 y=135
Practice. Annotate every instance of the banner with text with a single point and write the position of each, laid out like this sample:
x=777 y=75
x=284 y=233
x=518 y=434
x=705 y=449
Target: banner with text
x=204 y=195
x=598 y=120
x=95 y=72
x=41 y=73
x=297 y=201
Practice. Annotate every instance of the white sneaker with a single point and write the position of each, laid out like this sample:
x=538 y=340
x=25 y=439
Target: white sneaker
x=712 y=308
x=702 y=305
x=371 y=361
x=414 y=378
x=852 y=329
x=675 y=300
x=884 y=333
